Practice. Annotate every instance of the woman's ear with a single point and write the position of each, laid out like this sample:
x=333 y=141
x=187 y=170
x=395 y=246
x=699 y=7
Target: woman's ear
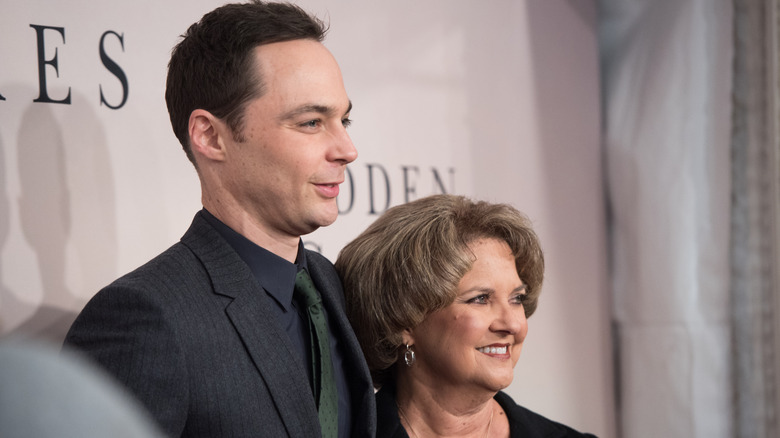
x=207 y=135
x=408 y=337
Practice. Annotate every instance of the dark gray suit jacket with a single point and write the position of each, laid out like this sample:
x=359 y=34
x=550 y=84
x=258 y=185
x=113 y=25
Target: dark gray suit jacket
x=191 y=335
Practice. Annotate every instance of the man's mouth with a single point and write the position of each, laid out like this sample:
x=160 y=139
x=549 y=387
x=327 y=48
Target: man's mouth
x=329 y=190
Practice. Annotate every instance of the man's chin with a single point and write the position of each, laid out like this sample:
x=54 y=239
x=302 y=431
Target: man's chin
x=328 y=215
x=318 y=223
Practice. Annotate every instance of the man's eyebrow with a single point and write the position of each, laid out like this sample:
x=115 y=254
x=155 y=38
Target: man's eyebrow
x=313 y=108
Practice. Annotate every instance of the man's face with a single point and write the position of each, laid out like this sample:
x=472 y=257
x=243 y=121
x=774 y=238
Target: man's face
x=285 y=175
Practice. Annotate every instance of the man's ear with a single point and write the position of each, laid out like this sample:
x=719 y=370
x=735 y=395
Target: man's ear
x=207 y=135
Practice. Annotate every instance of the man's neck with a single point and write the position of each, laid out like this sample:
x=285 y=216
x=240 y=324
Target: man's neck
x=282 y=244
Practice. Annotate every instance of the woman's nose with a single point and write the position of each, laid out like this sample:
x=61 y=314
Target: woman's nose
x=511 y=319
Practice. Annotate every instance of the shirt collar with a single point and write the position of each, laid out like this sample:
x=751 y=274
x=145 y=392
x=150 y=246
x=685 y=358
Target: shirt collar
x=275 y=274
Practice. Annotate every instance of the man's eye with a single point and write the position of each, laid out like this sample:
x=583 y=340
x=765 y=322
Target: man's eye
x=346 y=122
x=310 y=124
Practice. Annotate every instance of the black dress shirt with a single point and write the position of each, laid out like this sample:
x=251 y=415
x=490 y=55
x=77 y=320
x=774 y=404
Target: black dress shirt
x=277 y=277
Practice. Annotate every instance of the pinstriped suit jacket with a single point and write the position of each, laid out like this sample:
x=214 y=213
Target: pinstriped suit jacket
x=190 y=334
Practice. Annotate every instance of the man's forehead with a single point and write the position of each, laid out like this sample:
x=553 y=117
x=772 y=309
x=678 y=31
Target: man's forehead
x=298 y=63
x=300 y=76
x=292 y=52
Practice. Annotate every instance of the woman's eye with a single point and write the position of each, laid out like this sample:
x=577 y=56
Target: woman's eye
x=479 y=299
x=520 y=298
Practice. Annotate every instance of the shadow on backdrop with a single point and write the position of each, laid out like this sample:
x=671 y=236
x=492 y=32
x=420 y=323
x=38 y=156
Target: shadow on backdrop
x=44 y=211
x=66 y=211
x=93 y=246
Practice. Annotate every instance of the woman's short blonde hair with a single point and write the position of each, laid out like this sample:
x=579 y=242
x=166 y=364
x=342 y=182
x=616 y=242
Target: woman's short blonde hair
x=409 y=263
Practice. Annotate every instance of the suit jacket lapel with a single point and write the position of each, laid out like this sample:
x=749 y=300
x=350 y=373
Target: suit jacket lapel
x=266 y=343
x=272 y=353
x=329 y=285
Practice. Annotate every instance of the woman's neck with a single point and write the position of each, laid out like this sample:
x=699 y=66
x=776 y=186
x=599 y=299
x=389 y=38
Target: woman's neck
x=438 y=412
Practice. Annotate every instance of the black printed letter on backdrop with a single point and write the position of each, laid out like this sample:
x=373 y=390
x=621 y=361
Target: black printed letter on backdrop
x=440 y=183
x=114 y=68
x=410 y=187
x=347 y=178
x=371 y=187
x=43 y=94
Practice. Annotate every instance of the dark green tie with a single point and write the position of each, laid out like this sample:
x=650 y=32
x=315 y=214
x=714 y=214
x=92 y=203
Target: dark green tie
x=323 y=379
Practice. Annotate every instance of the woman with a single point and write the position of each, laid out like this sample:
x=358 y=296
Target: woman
x=438 y=291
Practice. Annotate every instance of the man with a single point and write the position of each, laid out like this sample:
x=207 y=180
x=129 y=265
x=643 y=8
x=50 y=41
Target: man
x=212 y=335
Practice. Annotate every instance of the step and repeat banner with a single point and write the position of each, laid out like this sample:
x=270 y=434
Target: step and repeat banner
x=496 y=100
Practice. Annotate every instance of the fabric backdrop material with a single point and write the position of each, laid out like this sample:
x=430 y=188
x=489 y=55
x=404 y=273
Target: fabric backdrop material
x=667 y=75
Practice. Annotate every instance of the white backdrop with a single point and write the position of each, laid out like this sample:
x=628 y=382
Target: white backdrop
x=498 y=100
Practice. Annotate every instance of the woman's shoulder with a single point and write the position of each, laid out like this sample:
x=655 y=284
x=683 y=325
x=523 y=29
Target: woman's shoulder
x=526 y=423
x=387 y=419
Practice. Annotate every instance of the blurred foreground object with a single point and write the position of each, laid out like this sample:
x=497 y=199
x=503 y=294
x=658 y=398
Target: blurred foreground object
x=45 y=393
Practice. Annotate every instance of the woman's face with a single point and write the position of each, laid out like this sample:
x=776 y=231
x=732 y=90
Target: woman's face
x=474 y=343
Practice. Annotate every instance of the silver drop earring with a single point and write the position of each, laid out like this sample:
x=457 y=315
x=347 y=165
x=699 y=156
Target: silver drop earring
x=409 y=356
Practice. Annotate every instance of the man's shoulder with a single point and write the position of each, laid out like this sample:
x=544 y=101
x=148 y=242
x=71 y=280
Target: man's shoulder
x=177 y=266
x=176 y=261
x=321 y=269
x=183 y=259
x=319 y=260
x=173 y=277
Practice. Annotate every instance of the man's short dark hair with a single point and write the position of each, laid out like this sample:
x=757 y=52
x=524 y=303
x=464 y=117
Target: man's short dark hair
x=212 y=67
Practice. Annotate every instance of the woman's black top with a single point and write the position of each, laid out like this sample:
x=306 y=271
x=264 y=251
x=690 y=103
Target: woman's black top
x=522 y=422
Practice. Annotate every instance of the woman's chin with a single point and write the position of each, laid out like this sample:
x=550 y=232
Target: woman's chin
x=498 y=383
